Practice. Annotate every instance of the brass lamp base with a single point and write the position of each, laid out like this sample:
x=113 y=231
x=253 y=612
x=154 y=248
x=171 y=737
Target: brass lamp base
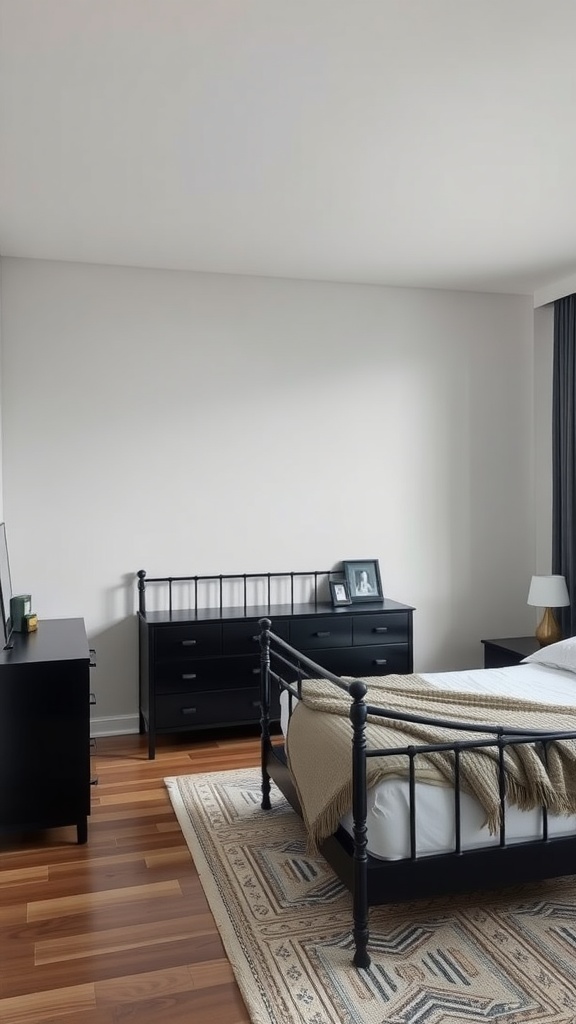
x=548 y=631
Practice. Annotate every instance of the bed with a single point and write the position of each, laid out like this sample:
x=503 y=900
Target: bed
x=409 y=834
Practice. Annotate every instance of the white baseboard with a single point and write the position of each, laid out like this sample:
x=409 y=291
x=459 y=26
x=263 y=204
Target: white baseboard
x=115 y=725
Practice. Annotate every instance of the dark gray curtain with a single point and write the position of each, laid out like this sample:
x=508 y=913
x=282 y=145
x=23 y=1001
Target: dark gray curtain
x=564 y=455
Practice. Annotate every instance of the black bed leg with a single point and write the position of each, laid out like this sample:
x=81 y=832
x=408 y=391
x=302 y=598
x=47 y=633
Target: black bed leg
x=361 y=957
x=360 y=857
x=265 y=805
x=265 y=709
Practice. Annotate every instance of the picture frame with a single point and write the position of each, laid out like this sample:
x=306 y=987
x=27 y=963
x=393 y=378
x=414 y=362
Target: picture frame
x=5 y=588
x=363 y=578
x=340 y=592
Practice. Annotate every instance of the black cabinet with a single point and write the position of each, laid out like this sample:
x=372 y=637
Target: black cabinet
x=508 y=650
x=201 y=668
x=45 y=728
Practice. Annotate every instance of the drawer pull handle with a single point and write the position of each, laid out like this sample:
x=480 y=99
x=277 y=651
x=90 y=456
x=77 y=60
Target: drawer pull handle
x=188 y=711
x=380 y=661
x=188 y=675
x=323 y=634
x=256 y=636
x=189 y=643
x=255 y=703
x=255 y=671
x=381 y=629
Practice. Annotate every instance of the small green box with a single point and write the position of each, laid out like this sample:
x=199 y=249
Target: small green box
x=20 y=605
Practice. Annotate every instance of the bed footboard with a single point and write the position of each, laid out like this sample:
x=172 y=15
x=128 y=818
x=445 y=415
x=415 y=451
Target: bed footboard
x=374 y=881
x=290 y=669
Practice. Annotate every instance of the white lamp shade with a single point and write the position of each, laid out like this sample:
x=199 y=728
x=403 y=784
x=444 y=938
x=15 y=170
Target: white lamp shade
x=548 y=592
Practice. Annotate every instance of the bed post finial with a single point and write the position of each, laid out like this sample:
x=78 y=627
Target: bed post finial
x=141 y=574
x=265 y=707
x=358 y=716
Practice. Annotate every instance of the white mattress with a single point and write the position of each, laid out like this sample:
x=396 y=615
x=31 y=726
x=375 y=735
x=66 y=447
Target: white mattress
x=388 y=802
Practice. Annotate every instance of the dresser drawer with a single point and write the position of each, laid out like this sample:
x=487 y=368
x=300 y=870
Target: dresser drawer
x=243 y=637
x=192 y=639
x=208 y=674
x=309 y=634
x=217 y=707
x=367 y=661
x=190 y=674
x=373 y=629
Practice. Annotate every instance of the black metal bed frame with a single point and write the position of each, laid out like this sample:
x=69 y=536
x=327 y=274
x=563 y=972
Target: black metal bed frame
x=373 y=881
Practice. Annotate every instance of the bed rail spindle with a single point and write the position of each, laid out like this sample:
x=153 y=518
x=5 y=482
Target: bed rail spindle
x=412 y=788
x=545 y=809
x=360 y=859
x=502 y=788
x=457 y=807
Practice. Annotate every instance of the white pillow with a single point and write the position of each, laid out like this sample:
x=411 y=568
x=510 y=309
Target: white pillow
x=560 y=655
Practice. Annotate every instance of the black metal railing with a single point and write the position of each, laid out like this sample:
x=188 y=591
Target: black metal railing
x=244 y=590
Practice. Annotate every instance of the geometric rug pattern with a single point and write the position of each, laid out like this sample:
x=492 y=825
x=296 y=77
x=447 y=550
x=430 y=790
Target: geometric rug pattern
x=507 y=956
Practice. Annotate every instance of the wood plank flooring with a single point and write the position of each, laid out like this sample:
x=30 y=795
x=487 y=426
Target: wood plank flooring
x=118 y=930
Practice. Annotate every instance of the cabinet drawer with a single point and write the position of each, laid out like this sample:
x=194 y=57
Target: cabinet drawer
x=387 y=629
x=208 y=674
x=366 y=661
x=217 y=707
x=190 y=674
x=189 y=639
x=309 y=634
x=243 y=637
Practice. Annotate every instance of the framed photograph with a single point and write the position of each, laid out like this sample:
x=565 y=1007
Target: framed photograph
x=5 y=588
x=363 y=578
x=340 y=592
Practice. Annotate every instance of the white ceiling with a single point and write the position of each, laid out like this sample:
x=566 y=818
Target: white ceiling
x=402 y=142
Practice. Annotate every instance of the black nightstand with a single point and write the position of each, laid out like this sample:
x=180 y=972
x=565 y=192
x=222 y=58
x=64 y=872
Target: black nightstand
x=509 y=650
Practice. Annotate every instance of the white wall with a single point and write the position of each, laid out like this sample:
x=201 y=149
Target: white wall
x=1 y=391
x=142 y=411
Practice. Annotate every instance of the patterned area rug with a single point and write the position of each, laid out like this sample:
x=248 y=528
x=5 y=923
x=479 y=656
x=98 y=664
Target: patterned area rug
x=285 y=922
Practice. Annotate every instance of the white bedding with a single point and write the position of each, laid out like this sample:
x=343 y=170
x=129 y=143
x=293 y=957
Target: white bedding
x=388 y=802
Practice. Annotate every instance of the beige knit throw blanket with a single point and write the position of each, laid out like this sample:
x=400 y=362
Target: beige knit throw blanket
x=319 y=747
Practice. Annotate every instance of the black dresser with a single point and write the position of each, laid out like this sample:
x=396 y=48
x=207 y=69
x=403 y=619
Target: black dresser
x=45 y=728
x=200 y=667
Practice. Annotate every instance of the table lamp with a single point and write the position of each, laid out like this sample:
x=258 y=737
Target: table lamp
x=548 y=592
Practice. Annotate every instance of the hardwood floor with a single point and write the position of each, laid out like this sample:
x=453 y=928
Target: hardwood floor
x=118 y=930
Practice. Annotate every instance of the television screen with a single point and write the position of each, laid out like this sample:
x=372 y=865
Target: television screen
x=5 y=585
